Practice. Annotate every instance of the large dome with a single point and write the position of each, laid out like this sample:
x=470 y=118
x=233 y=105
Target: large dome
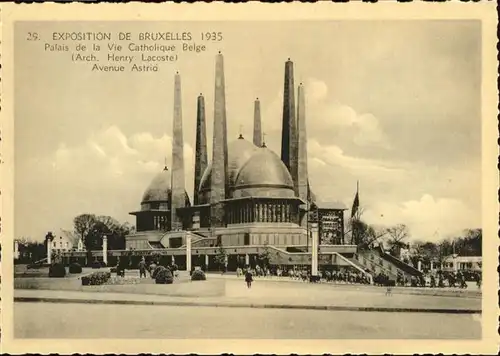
x=239 y=151
x=159 y=190
x=264 y=175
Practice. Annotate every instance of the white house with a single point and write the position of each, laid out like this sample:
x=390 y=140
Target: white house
x=461 y=263
x=67 y=241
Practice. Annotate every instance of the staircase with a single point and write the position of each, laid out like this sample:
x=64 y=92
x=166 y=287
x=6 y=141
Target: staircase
x=371 y=262
x=379 y=261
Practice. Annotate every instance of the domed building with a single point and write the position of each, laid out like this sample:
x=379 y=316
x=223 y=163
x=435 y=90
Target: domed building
x=155 y=213
x=246 y=199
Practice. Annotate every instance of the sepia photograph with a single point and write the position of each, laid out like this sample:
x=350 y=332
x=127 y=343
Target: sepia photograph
x=312 y=179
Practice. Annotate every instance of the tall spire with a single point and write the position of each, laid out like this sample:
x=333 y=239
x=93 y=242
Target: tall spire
x=289 y=125
x=219 y=153
x=201 y=162
x=302 y=175
x=178 y=184
x=257 y=129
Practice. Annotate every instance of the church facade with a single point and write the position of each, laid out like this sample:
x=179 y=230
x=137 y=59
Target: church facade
x=248 y=197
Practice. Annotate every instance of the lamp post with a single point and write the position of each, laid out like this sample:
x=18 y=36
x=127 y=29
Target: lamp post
x=105 y=249
x=314 y=249
x=307 y=226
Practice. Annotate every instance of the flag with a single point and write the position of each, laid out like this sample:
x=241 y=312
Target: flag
x=355 y=204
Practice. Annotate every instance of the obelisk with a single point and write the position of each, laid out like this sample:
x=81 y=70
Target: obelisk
x=201 y=162
x=302 y=177
x=178 y=183
x=257 y=125
x=219 y=147
x=289 y=126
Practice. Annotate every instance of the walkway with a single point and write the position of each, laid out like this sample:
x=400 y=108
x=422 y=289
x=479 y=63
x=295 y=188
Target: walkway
x=266 y=294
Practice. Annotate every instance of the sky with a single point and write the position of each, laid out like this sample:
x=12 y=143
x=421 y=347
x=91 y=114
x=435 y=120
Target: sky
x=393 y=104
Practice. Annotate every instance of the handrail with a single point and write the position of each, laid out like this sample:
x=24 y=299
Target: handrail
x=389 y=272
x=388 y=257
x=370 y=277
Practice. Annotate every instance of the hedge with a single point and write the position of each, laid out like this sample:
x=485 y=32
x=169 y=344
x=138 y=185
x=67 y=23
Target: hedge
x=75 y=268
x=198 y=275
x=96 y=278
x=57 y=270
x=163 y=275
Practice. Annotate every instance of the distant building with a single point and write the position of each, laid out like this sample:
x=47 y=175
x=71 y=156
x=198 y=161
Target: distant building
x=66 y=241
x=454 y=263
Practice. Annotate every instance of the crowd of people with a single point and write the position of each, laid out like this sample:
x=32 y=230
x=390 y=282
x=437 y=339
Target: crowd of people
x=348 y=275
x=302 y=273
x=352 y=276
x=442 y=279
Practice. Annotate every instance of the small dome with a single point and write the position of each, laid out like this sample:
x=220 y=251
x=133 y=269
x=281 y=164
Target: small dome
x=159 y=189
x=239 y=151
x=264 y=174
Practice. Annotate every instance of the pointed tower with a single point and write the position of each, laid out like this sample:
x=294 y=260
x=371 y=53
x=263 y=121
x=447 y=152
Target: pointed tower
x=302 y=177
x=289 y=125
x=219 y=153
x=257 y=126
x=201 y=162
x=178 y=184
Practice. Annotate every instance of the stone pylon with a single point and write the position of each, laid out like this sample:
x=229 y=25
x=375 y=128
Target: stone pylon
x=178 y=183
x=289 y=125
x=201 y=162
x=302 y=175
x=219 y=153
x=257 y=124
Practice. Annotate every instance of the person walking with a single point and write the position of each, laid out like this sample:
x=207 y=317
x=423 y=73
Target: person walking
x=249 y=278
x=142 y=268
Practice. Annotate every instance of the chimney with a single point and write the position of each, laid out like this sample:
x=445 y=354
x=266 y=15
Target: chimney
x=219 y=153
x=178 y=184
x=257 y=126
x=288 y=130
x=201 y=147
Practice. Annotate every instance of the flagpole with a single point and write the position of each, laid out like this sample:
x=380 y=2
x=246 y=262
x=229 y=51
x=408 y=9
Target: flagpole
x=357 y=194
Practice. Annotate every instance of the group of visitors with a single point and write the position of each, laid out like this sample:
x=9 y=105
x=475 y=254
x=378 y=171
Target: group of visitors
x=302 y=273
x=351 y=276
x=145 y=268
x=442 y=279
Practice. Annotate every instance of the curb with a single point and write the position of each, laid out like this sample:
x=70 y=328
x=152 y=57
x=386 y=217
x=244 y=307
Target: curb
x=248 y=305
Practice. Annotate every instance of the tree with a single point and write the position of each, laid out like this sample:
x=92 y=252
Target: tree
x=396 y=238
x=265 y=256
x=92 y=228
x=31 y=251
x=220 y=257
x=83 y=225
x=364 y=235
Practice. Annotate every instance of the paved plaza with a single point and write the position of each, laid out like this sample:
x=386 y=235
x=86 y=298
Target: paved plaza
x=47 y=320
x=270 y=309
x=273 y=293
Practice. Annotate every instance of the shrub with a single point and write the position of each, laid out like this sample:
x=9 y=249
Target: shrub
x=163 y=276
x=198 y=275
x=57 y=270
x=391 y=283
x=96 y=278
x=96 y=264
x=156 y=270
x=113 y=270
x=75 y=268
